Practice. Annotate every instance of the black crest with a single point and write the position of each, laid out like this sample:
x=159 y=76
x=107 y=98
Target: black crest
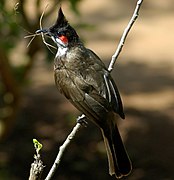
x=63 y=27
x=61 y=21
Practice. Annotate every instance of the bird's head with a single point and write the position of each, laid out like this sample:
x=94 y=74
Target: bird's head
x=61 y=32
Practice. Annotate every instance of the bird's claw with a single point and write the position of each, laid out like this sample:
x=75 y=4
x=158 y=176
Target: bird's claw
x=82 y=120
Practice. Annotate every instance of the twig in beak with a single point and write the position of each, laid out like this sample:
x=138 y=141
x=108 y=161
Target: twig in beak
x=42 y=31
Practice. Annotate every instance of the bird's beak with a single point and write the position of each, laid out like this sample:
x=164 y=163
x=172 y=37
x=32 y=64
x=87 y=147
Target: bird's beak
x=45 y=31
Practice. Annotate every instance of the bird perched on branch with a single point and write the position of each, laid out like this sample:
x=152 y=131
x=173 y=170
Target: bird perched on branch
x=84 y=80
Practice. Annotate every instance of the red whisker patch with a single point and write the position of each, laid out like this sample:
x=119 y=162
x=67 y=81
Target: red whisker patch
x=64 y=39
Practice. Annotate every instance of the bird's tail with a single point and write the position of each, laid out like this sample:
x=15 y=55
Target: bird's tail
x=119 y=162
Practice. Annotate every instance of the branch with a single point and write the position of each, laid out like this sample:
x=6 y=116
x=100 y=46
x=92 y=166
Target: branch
x=37 y=166
x=80 y=121
x=124 y=35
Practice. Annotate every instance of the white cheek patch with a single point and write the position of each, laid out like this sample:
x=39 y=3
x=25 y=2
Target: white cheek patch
x=61 y=51
x=62 y=48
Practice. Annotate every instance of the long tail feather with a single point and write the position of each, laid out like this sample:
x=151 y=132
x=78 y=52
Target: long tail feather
x=119 y=162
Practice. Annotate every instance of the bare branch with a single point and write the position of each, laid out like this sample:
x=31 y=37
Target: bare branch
x=124 y=35
x=62 y=148
x=37 y=166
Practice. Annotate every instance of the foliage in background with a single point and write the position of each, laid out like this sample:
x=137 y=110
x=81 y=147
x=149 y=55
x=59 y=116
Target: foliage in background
x=15 y=21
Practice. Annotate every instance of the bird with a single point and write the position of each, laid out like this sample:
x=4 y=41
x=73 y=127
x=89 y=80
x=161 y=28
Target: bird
x=84 y=80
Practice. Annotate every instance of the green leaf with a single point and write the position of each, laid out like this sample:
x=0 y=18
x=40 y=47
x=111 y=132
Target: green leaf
x=37 y=145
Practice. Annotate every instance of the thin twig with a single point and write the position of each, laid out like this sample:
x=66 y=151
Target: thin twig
x=42 y=34
x=63 y=147
x=124 y=35
x=31 y=40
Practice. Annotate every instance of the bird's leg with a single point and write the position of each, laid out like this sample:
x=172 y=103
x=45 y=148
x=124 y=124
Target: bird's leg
x=82 y=120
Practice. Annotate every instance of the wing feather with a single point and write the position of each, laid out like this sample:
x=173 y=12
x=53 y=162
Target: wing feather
x=113 y=95
x=91 y=89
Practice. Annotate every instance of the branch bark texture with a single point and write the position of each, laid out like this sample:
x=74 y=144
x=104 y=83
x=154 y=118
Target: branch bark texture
x=124 y=35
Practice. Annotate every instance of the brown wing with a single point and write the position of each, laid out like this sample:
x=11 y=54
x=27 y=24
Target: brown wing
x=109 y=88
x=91 y=90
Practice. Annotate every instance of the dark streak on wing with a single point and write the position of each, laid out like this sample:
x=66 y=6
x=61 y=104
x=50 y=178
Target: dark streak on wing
x=114 y=96
x=110 y=90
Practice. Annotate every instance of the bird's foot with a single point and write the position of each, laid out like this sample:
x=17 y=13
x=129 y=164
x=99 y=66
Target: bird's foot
x=82 y=120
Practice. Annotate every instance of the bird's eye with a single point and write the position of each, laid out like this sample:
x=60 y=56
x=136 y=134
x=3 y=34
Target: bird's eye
x=59 y=34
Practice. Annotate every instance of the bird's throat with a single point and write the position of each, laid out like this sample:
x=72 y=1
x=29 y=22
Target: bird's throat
x=61 y=51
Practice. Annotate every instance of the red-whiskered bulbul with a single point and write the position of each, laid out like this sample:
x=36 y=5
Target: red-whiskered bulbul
x=84 y=80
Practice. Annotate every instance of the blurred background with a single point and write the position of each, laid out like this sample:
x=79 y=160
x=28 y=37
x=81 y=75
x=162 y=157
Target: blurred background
x=31 y=107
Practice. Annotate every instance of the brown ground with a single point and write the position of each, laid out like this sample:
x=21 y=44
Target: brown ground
x=145 y=77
